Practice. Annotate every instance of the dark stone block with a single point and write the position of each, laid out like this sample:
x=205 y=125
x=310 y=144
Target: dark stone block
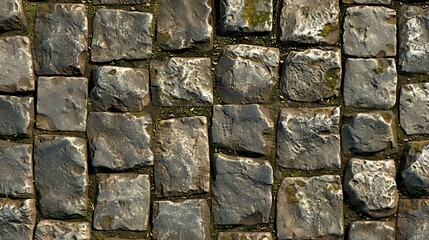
x=12 y=16
x=17 y=115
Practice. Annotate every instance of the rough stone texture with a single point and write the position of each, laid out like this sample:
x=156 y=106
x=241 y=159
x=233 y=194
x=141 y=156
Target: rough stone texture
x=61 y=176
x=247 y=73
x=17 y=219
x=12 y=16
x=413 y=219
x=17 y=114
x=119 y=141
x=191 y=27
x=61 y=43
x=133 y=41
x=123 y=202
x=185 y=220
x=368 y=133
x=182 y=82
x=308 y=138
x=415 y=167
x=374 y=230
x=414 y=108
x=120 y=89
x=61 y=103
x=370 y=83
x=16 y=64
x=119 y=2
x=308 y=21
x=316 y=204
x=16 y=172
x=244 y=128
x=245 y=236
x=241 y=190
x=311 y=75
x=371 y=186
x=182 y=161
x=370 y=31
x=378 y=2
x=54 y=229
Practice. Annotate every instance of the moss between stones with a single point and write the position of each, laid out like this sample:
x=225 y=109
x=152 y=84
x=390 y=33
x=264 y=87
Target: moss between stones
x=327 y=28
x=252 y=15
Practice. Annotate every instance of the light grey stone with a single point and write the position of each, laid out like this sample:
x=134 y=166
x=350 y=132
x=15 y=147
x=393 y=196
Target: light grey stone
x=415 y=167
x=245 y=236
x=12 y=16
x=54 y=229
x=372 y=230
x=414 y=108
x=17 y=219
x=369 y=2
x=17 y=115
x=119 y=2
x=413 y=219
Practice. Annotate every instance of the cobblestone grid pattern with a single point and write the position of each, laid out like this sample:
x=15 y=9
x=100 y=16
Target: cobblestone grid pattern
x=214 y=119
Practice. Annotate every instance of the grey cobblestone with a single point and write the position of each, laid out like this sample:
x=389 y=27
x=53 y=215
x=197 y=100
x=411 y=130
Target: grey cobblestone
x=372 y=230
x=17 y=219
x=17 y=115
x=55 y=229
x=245 y=236
x=12 y=16
x=413 y=219
x=415 y=167
x=414 y=108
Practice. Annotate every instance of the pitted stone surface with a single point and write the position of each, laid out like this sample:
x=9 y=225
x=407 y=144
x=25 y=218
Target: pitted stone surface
x=61 y=103
x=61 y=42
x=182 y=161
x=373 y=230
x=61 y=176
x=366 y=133
x=16 y=64
x=129 y=38
x=17 y=219
x=12 y=16
x=308 y=21
x=244 y=128
x=370 y=31
x=119 y=141
x=17 y=114
x=370 y=83
x=245 y=236
x=119 y=2
x=241 y=190
x=120 y=89
x=308 y=138
x=311 y=75
x=247 y=73
x=191 y=27
x=378 y=2
x=316 y=205
x=16 y=173
x=414 y=108
x=415 y=170
x=54 y=229
x=413 y=219
x=182 y=82
x=371 y=187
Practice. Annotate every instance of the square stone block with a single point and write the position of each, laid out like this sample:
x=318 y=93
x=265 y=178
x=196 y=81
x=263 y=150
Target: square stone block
x=245 y=236
x=360 y=230
x=413 y=219
x=414 y=108
x=415 y=162
x=17 y=115
x=54 y=229
x=17 y=219
x=12 y=16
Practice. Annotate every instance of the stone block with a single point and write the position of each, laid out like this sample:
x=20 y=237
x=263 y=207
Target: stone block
x=414 y=108
x=245 y=236
x=415 y=167
x=413 y=219
x=12 y=16
x=17 y=219
x=54 y=229
x=373 y=230
x=17 y=115
x=119 y=2
x=369 y=2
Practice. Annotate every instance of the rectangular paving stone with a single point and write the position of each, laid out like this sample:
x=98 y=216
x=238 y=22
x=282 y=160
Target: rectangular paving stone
x=17 y=219
x=119 y=2
x=359 y=230
x=17 y=115
x=54 y=229
x=414 y=162
x=414 y=108
x=245 y=236
x=413 y=219
x=12 y=16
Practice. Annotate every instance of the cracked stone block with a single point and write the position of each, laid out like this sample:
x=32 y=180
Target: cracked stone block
x=191 y=27
x=16 y=64
x=61 y=176
x=368 y=133
x=182 y=82
x=369 y=2
x=245 y=236
x=415 y=167
x=12 y=16
x=316 y=204
x=308 y=21
x=188 y=219
x=123 y=202
x=413 y=219
x=247 y=73
x=17 y=219
x=61 y=103
x=182 y=161
x=17 y=115
x=371 y=186
x=61 y=43
x=119 y=141
x=246 y=128
x=414 y=108
x=359 y=230
x=127 y=38
x=309 y=139
x=54 y=229
x=370 y=31
x=16 y=173
x=311 y=75
x=120 y=89
x=370 y=83
x=119 y=2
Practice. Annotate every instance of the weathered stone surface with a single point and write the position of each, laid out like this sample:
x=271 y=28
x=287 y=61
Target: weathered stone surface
x=120 y=89
x=12 y=15
x=16 y=64
x=378 y=2
x=413 y=219
x=414 y=108
x=185 y=220
x=245 y=236
x=133 y=41
x=119 y=141
x=182 y=161
x=370 y=31
x=123 y=202
x=371 y=230
x=17 y=115
x=119 y=2
x=61 y=41
x=16 y=173
x=191 y=27
x=61 y=176
x=54 y=229
x=370 y=83
x=17 y=219
x=61 y=103
x=182 y=82
x=311 y=75
x=246 y=128
x=308 y=138
x=316 y=205
x=308 y=21
x=371 y=186
x=367 y=133
x=415 y=167
x=247 y=73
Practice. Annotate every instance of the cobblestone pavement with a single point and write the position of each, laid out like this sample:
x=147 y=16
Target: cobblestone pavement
x=214 y=119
